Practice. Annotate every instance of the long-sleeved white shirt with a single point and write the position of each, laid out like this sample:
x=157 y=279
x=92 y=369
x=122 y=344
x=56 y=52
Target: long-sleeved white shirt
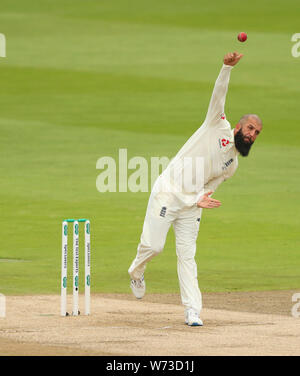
x=208 y=158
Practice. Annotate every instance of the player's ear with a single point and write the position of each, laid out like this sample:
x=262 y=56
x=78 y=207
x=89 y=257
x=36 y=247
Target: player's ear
x=237 y=128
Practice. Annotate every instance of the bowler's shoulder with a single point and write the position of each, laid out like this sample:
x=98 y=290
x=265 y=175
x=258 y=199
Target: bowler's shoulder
x=222 y=124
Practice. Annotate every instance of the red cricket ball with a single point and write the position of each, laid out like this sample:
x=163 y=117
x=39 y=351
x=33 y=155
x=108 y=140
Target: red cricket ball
x=242 y=37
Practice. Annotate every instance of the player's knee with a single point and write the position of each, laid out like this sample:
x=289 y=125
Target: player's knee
x=186 y=252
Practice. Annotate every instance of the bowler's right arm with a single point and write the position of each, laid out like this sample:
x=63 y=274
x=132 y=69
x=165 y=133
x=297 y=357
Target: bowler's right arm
x=217 y=101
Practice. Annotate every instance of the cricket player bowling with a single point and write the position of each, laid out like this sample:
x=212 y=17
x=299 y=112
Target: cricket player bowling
x=171 y=203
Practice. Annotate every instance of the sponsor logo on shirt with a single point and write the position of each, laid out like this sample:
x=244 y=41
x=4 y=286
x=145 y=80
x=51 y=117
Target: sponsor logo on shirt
x=223 y=116
x=227 y=164
x=223 y=142
x=163 y=211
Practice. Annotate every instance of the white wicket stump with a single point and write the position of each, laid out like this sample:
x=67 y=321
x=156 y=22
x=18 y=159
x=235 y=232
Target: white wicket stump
x=75 y=267
x=64 y=269
x=64 y=274
x=87 y=257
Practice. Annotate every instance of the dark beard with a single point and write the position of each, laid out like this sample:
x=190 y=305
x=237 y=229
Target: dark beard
x=242 y=146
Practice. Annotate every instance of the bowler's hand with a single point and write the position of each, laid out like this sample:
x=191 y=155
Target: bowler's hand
x=208 y=203
x=232 y=58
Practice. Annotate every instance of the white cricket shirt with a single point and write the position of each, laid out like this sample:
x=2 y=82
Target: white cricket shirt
x=208 y=158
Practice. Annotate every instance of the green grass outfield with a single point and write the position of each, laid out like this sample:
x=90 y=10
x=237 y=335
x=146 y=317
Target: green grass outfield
x=83 y=79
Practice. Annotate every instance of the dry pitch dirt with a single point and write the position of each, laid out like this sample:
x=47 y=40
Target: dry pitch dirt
x=247 y=323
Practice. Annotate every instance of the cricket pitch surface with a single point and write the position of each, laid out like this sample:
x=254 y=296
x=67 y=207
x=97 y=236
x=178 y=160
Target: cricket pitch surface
x=234 y=324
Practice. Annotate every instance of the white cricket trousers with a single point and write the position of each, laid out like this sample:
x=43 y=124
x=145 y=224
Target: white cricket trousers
x=159 y=217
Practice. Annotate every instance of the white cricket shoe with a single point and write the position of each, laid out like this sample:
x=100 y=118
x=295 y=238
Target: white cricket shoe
x=192 y=318
x=138 y=287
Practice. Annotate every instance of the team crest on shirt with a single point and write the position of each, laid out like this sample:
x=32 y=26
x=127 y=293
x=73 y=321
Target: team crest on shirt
x=223 y=116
